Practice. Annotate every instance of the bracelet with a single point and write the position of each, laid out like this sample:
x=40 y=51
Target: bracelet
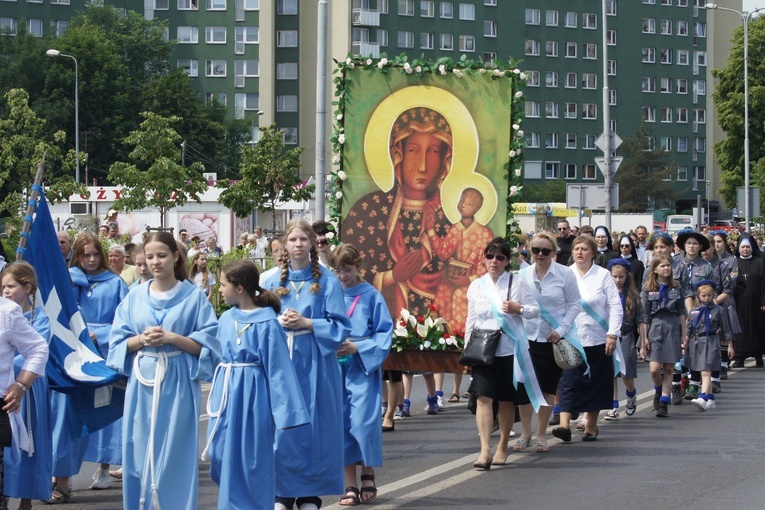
x=22 y=386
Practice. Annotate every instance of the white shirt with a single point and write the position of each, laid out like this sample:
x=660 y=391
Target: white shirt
x=480 y=316
x=559 y=294
x=598 y=287
x=17 y=334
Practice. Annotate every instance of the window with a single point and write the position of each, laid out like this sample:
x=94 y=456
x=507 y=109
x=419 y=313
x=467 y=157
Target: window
x=649 y=26
x=571 y=80
x=611 y=37
x=286 y=38
x=699 y=29
x=590 y=20
x=489 y=28
x=287 y=71
x=427 y=41
x=532 y=47
x=665 y=114
x=551 y=78
x=216 y=97
x=667 y=174
x=532 y=108
x=612 y=97
x=611 y=67
x=666 y=2
x=467 y=43
x=588 y=142
x=649 y=84
x=589 y=80
x=666 y=27
x=532 y=169
x=649 y=55
x=189 y=66
x=650 y=2
x=35 y=27
x=405 y=39
x=447 y=10
x=427 y=8
x=682 y=144
x=532 y=16
x=682 y=3
x=682 y=173
x=570 y=50
x=699 y=173
x=532 y=140
x=532 y=78
x=59 y=2
x=551 y=141
x=161 y=5
x=700 y=116
x=649 y=114
x=59 y=27
x=382 y=37
x=215 y=5
x=551 y=110
x=571 y=19
x=682 y=57
x=246 y=69
x=551 y=18
x=286 y=6
x=246 y=102
x=551 y=48
x=290 y=135
x=243 y=36
x=701 y=58
x=590 y=51
x=570 y=140
x=215 y=35
x=286 y=103
x=406 y=7
x=665 y=85
x=589 y=111
x=187 y=5
x=682 y=115
x=682 y=28
x=666 y=56
x=251 y=5
x=552 y=170
x=447 y=42
x=215 y=68
x=650 y=143
x=382 y=6
x=489 y=57
x=187 y=35
x=700 y=87
x=588 y=171
x=681 y=86
x=570 y=110
x=610 y=7
x=570 y=170
x=492 y=3
x=467 y=12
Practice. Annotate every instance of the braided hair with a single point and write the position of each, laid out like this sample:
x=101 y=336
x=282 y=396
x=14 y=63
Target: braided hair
x=285 y=260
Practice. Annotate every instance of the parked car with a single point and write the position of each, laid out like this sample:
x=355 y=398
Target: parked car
x=726 y=225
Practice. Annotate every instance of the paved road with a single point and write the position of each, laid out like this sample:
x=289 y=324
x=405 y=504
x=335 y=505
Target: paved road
x=692 y=460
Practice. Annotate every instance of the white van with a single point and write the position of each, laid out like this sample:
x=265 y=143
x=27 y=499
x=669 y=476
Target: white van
x=677 y=222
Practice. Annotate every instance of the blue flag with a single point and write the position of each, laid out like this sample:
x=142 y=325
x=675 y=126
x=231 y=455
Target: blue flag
x=74 y=364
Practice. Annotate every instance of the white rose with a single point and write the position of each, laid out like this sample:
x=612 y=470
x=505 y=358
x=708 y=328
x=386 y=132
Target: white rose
x=336 y=160
x=511 y=154
x=341 y=138
x=441 y=341
x=348 y=61
x=516 y=127
x=342 y=175
x=523 y=76
x=339 y=116
x=497 y=72
x=519 y=94
x=339 y=195
x=426 y=344
x=330 y=235
x=352 y=65
x=369 y=61
x=514 y=250
x=421 y=347
x=457 y=73
x=513 y=190
x=384 y=61
x=442 y=69
x=516 y=71
x=518 y=151
x=418 y=69
x=407 y=68
x=517 y=172
x=520 y=133
x=449 y=341
x=482 y=70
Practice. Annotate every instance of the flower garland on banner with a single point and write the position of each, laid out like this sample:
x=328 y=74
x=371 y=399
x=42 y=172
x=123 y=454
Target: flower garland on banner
x=428 y=333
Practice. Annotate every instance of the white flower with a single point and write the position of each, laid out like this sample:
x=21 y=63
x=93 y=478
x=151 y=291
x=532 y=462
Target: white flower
x=517 y=172
x=348 y=61
x=339 y=195
x=401 y=331
x=442 y=69
x=457 y=73
x=482 y=70
x=497 y=72
x=441 y=341
x=449 y=341
x=336 y=160
x=516 y=71
x=514 y=251
x=381 y=64
x=422 y=347
x=341 y=138
x=369 y=61
x=384 y=61
x=422 y=331
x=520 y=133
x=418 y=69
x=511 y=154
x=514 y=190
x=407 y=68
x=339 y=116
x=342 y=175
x=519 y=94
x=519 y=151
x=516 y=127
x=523 y=76
x=330 y=235
x=111 y=213
x=352 y=65
x=426 y=344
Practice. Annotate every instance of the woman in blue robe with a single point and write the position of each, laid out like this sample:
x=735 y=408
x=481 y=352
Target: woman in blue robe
x=309 y=458
x=163 y=340
x=360 y=358
x=28 y=476
x=255 y=390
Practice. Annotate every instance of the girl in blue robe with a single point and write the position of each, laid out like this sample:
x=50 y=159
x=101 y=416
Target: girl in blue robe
x=360 y=358
x=255 y=390
x=163 y=340
x=309 y=458
x=28 y=477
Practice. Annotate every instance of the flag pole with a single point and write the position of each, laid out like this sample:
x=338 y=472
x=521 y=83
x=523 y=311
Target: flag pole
x=31 y=206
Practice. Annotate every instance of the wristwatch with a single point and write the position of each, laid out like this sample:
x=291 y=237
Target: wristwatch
x=22 y=386
x=521 y=312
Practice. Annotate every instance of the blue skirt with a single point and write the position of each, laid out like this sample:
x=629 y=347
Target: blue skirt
x=580 y=393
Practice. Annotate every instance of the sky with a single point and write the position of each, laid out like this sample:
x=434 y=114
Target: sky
x=749 y=5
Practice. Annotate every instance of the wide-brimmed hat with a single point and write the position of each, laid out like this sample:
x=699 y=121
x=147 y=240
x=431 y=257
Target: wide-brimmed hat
x=683 y=236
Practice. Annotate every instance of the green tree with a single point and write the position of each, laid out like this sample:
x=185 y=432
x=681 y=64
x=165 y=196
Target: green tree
x=157 y=179
x=544 y=191
x=642 y=174
x=728 y=98
x=270 y=176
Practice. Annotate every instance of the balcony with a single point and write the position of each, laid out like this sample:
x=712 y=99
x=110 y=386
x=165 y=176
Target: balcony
x=366 y=49
x=365 y=18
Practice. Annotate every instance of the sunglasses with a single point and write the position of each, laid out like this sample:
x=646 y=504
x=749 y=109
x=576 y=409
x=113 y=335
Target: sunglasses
x=625 y=246
x=322 y=242
x=491 y=256
x=543 y=251
x=562 y=229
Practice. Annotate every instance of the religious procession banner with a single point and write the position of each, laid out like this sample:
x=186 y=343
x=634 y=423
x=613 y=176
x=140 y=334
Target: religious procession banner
x=428 y=157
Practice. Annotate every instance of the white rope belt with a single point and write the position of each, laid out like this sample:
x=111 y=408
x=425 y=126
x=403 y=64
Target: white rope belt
x=291 y=334
x=159 y=375
x=223 y=399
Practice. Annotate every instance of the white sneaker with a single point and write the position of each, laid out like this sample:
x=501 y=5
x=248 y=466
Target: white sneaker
x=612 y=415
x=711 y=404
x=101 y=479
x=582 y=424
x=441 y=403
x=701 y=404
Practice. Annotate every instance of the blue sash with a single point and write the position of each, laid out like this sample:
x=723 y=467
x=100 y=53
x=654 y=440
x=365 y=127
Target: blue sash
x=598 y=314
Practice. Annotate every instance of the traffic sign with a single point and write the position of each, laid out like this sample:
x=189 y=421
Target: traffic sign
x=600 y=142
x=615 y=162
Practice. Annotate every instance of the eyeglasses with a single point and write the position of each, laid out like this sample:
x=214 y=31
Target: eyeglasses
x=491 y=256
x=543 y=251
x=322 y=242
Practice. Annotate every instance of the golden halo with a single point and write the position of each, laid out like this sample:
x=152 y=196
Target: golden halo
x=464 y=150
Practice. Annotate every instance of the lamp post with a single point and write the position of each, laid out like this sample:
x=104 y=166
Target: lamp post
x=56 y=53
x=745 y=18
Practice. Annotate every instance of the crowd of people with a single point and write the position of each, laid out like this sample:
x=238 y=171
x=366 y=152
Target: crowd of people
x=296 y=359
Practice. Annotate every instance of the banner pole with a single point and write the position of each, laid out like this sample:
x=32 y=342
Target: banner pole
x=31 y=206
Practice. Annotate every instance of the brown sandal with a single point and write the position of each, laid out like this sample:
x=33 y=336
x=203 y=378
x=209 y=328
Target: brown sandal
x=351 y=497
x=372 y=489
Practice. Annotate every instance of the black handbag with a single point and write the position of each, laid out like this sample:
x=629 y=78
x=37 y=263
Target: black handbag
x=5 y=427
x=480 y=350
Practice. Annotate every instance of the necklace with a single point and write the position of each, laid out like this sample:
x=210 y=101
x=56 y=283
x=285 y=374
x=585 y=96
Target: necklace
x=90 y=289
x=297 y=289
x=240 y=331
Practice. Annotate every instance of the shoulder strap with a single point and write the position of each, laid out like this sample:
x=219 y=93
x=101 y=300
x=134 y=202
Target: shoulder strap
x=353 y=305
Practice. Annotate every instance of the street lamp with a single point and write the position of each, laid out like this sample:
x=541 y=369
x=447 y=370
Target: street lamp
x=745 y=18
x=56 y=53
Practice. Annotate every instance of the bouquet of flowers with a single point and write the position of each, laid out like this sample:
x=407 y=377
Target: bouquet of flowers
x=430 y=332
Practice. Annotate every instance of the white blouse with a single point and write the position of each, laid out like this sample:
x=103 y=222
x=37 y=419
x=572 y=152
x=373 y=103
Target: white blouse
x=16 y=334
x=599 y=285
x=559 y=293
x=480 y=316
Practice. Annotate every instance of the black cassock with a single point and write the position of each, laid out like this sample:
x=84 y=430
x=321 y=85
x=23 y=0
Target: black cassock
x=750 y=273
